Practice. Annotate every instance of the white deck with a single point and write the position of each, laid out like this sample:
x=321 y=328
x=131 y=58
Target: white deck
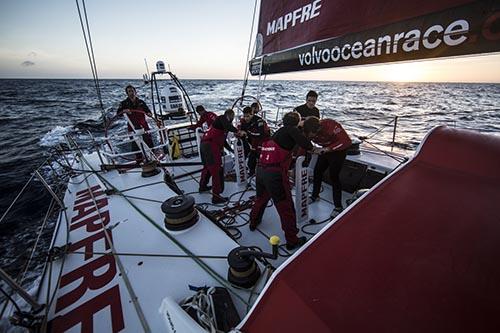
x=154 y=278
x=270 y=225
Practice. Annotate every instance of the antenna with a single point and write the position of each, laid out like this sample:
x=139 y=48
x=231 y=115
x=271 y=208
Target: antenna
x=147 y=68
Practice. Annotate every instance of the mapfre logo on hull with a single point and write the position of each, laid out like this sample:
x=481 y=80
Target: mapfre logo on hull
x=95 y=274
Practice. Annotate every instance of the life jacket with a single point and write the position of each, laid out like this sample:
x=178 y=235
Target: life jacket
x=214 y=135
x=272 y=155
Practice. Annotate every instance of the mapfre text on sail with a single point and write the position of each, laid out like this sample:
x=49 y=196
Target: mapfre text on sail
x=452 y=35
x=300 y=15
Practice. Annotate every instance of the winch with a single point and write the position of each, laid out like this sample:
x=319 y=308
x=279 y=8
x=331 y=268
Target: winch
x=180 y=212
x=354 y=149
x=243 y=270
x=150 y=169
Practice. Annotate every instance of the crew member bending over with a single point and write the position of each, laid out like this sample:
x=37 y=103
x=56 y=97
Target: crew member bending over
x=211 y=146
x=335 y=142
x=257 y=132
x=272 y=175
x=136 y=110
x=206 y=117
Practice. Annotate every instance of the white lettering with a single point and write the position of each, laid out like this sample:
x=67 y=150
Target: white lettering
x=304 y=13
x=386 y=39
x=301 y=59
x=454 y=34
x=425 y=41
x=316 y=5
x=271 y=28
x=345 y=55
x=296 y=15
x=335 y=57
x=412 y=41
x=356 y=50
x=308 y=62
x=456 y=28
x=369 y=50
x=325 y=55
x=279 y=25
x=397 y=37
x=288 y=19
x=317 y=56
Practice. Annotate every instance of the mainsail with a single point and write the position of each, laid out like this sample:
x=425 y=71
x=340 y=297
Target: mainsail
x=298 y=35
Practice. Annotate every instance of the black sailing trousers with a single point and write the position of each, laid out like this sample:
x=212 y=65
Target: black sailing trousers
x=332 y=161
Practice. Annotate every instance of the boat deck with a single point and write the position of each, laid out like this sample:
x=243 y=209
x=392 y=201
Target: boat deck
x=238 y=219
x=151 y=263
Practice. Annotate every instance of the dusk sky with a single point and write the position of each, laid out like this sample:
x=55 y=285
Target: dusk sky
x=198 y=39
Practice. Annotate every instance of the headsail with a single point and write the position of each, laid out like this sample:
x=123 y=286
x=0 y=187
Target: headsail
x=298 y=35
x=403 y=259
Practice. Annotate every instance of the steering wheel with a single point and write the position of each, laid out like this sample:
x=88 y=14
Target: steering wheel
x=245 y=100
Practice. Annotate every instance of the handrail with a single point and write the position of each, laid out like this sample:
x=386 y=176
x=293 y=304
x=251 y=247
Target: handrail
x=16 y=284
x=112 y=154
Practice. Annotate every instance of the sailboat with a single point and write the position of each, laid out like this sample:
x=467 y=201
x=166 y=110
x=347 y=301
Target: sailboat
x=138 y=249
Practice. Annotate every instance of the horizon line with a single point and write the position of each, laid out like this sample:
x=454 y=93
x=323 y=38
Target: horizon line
x=225 y=79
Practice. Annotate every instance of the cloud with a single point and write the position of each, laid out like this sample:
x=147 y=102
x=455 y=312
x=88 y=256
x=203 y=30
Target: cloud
x=32 y=54
x=27 y=63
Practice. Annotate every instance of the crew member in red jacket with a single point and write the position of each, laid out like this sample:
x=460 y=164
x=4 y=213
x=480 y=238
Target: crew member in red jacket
x=206 y=117
x=272 y=175
x=211 y=147
x=257 y=132
x=335 y=142
x=136 y=110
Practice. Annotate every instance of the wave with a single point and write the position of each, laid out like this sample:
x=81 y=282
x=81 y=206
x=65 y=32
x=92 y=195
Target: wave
x=55 y=136
x=7 y=119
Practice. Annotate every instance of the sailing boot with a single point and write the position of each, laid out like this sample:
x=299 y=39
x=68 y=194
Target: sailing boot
x=217 y=199
x=336 y=211
x=204 y=188
x=300 y=241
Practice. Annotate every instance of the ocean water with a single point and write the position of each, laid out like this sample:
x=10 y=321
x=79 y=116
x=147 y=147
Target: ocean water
x=35 y=114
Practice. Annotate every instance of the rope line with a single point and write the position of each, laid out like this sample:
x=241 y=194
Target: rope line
x=131 y=254
x=90 y=51
x=247 y=72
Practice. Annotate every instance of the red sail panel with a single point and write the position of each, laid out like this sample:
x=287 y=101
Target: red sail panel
x=419 y=253
x=298 y=22
x=302 y=35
